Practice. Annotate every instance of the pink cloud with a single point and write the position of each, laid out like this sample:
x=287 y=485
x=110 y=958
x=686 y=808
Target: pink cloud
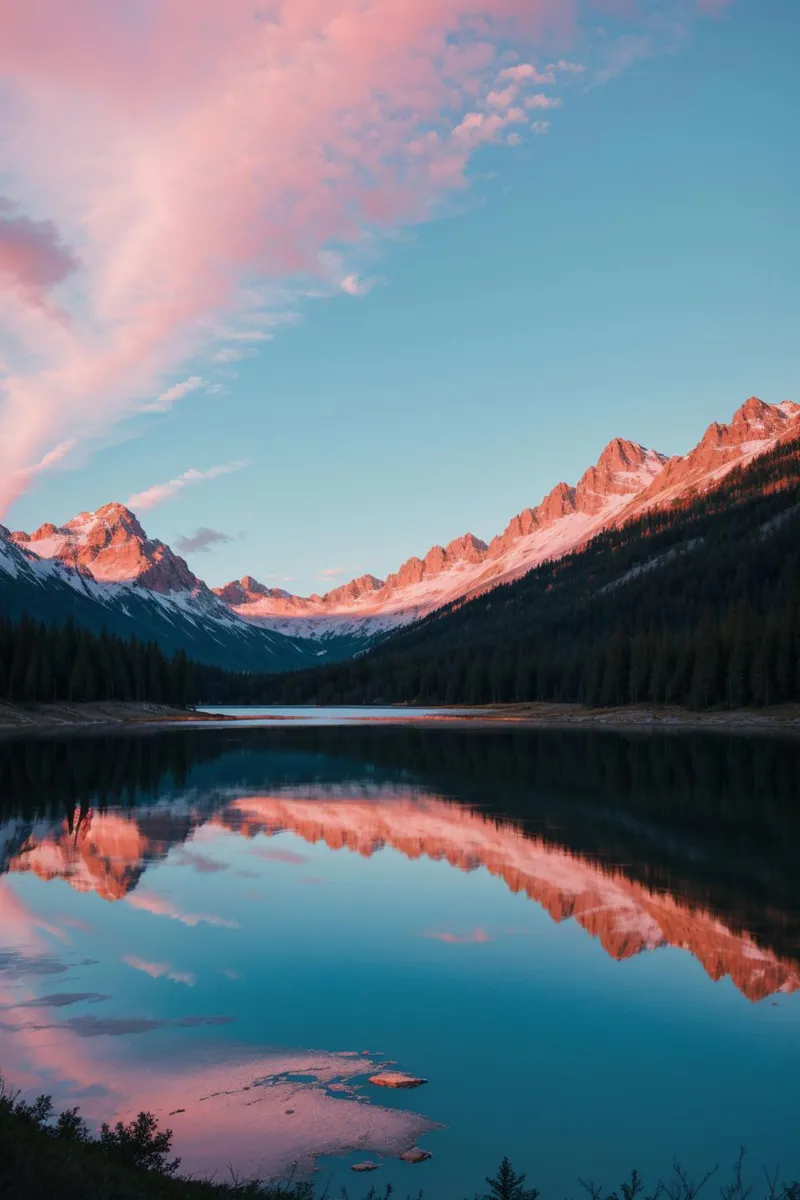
x=33 y=259
x=159 y=492
x=171 y=395
x=354 y=285
x=204 y=158
x=539 y=100
x=53 y=456
x=501 y=99
x=526 y=72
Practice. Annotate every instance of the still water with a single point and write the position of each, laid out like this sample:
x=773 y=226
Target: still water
x=588 y=944
x=311 y=714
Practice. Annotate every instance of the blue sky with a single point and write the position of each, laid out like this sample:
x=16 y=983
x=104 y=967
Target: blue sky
x=634 y=273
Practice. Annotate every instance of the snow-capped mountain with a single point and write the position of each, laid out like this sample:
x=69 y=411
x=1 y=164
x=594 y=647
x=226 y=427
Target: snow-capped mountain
x=754 y=429
x=626 y=481
x=111 y=546
x=101 y=570
x=105 y=571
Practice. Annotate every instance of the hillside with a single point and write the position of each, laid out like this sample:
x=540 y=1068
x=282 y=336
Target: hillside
x=697 y=603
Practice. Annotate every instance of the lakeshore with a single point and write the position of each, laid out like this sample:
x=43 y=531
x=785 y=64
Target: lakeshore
x=66 y=718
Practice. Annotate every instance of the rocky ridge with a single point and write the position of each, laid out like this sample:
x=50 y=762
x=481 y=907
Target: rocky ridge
x=112 y=547
x=627 y=480
x=109 y=547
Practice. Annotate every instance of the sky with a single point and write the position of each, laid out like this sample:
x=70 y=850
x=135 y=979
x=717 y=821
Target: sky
x=316 y=284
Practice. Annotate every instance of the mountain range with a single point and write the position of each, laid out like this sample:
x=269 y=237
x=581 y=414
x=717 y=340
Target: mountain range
x=102 y=569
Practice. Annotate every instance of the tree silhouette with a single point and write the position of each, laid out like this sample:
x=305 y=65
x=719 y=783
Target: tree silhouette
x=508 y=1185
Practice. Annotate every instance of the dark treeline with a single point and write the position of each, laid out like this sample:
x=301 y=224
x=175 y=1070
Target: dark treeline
x=53 y=663
x=698 y=605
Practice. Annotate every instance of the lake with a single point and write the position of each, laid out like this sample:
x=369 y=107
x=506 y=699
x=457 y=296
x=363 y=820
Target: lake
x=587 y=943
x=311 y=714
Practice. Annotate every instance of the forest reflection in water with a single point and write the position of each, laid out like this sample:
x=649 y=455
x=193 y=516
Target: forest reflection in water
x=253 y=838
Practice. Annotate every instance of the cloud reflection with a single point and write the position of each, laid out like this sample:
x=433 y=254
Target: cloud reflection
x=159 y=970
x=157 y=906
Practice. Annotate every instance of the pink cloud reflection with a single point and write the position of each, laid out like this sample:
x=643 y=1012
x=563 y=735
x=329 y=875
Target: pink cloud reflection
x=461 y=939
x=281 y=856
x=158 y=906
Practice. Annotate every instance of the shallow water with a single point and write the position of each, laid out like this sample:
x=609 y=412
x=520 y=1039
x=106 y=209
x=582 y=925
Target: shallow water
x=587 y=943
x=311 y=714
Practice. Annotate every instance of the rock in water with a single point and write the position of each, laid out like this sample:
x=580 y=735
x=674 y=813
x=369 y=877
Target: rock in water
x=416 y=1155
x=396 y=1079
x=365 y=1166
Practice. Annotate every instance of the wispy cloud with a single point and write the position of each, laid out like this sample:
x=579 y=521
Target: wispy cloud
x=355 y=285
x=248 y=335
x=540 y=100
x=158 y=970
x=231 y=354
x=527 y=73
x=172 y=394
x=159 y=492
x=212 y=160
x=331 y=572
x=202 y=540
x=54 y=456
x=566 y=67
x=622 y=53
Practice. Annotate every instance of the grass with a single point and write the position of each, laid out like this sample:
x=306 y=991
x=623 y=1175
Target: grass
x=46 y=1155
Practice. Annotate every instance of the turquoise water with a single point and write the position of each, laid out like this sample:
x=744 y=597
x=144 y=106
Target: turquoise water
x=586 y=944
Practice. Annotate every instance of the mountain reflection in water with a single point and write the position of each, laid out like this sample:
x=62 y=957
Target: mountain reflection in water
x=643 y=843
x=109 y=853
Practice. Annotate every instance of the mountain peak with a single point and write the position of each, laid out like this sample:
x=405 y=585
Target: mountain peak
x=753 y=409
x=364 y=585
x=111 y=546
x=753 y=429
x=753 y=423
